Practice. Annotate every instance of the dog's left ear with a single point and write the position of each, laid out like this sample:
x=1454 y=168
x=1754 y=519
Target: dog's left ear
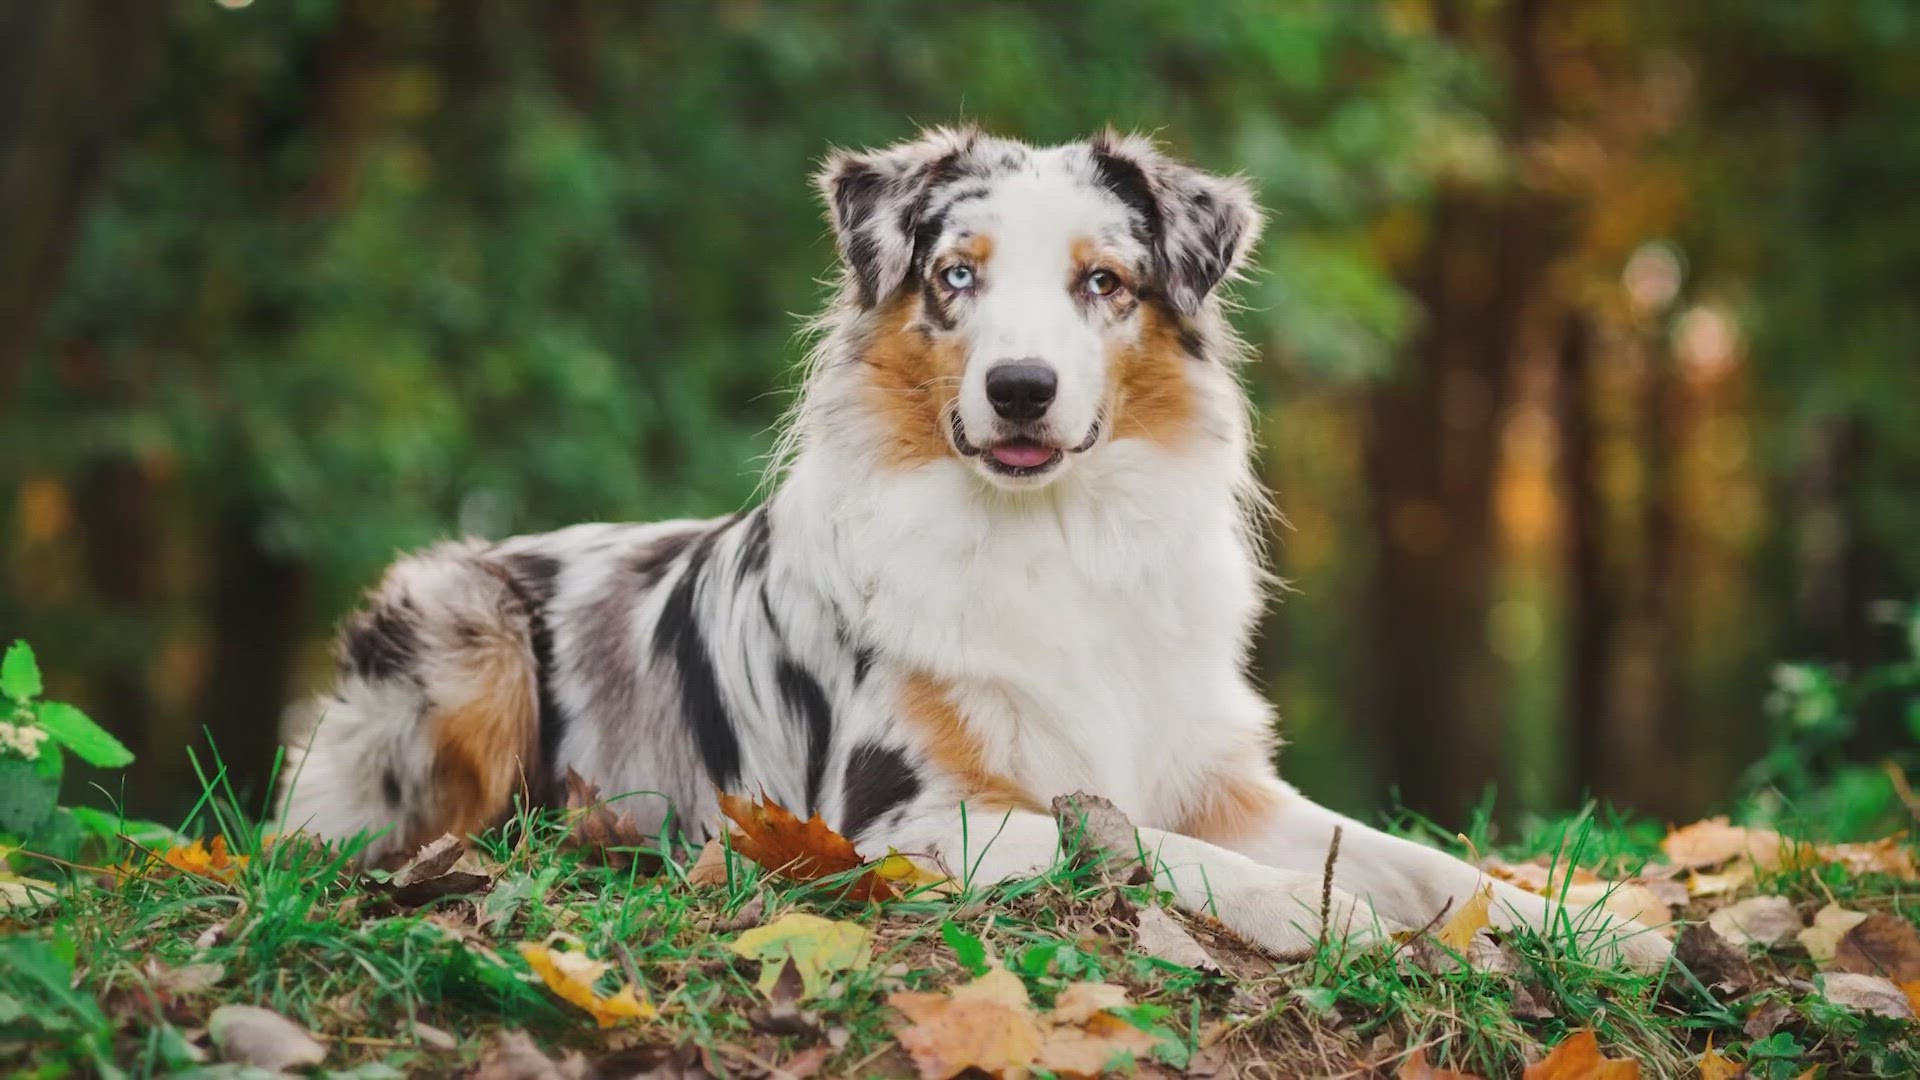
x=874 y=199
x=1201 y=227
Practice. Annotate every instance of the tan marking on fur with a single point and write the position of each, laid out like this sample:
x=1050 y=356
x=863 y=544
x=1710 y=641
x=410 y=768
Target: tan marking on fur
x=1152 y=398
x=911 y=381
x=954 y=749
x=977 y=247
x=1236 y=807
x=485 y=748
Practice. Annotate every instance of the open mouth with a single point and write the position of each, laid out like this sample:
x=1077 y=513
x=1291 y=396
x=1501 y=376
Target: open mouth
x=1018 y=456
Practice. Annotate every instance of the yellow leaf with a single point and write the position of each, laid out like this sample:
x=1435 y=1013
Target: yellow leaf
x=1715 y=1066
x=1830 y=924
x=1579 y=1058
x=910 y=875
x=209 y=861
x=818 y=949
x=1735 y=877
x=1458 y=932
x=573 y=976
x=1912 y=990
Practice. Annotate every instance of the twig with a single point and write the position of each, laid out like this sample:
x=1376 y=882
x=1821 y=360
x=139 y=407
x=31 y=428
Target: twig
x=1326 y=884
x=1900 y=787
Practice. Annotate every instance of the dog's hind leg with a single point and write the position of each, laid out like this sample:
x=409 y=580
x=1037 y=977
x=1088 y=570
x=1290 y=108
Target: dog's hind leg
x=434 y=725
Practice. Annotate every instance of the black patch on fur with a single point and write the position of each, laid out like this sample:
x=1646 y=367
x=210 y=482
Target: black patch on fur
x=807 y=702
x=390 y=787
x=1123 y=178
x=534 y=578
x=856 y=193
x=935 y=305
x=382 y=643
x=878 y=779
x=863 y=657
x=679 y=637
x=756 y=544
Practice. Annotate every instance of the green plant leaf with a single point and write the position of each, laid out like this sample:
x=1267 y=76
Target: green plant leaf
x=971 y=951
x=77 y=732
x=20 y=673
x=29 y=790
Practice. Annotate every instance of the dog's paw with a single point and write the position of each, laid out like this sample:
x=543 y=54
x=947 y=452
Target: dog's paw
x=1285 y=919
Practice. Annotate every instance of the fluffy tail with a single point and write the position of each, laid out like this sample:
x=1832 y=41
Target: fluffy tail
x=434 y=726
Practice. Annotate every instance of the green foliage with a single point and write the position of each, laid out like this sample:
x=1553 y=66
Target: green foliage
x=32 y=762
x=1824 y=719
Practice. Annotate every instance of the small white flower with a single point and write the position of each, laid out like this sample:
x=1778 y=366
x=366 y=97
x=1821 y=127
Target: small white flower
x=22 y=739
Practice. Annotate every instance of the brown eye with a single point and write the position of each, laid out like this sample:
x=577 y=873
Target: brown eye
x=1103 y=283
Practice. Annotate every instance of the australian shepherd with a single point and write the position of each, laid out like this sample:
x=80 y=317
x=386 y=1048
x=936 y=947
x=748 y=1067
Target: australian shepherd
x=1013 y=551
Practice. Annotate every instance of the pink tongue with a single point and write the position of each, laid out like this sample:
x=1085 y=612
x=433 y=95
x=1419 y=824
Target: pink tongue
x=1022 y=455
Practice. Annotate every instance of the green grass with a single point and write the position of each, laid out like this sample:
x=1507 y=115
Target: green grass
x=89 y=986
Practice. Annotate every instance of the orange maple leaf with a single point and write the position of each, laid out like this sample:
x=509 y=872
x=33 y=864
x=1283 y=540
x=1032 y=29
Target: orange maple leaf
x=1578 y=1058
x=207 y=860
x=772 y=836
x=1416 y=1067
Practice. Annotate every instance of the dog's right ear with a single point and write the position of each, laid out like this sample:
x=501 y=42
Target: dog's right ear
x=875 y=198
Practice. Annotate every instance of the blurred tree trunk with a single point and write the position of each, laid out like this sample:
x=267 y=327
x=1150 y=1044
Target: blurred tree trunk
x=1432 y=457
x=1592 y=606
x=70 y=73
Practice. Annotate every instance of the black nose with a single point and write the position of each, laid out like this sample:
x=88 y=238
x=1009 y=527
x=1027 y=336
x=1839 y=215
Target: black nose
x=1021 y=389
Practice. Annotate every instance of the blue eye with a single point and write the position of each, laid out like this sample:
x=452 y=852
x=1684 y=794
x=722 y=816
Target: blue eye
x=958 y=277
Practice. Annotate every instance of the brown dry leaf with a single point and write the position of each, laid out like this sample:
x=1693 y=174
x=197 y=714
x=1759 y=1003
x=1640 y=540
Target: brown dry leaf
x=1830 y=924
x=572 y=975
x=989 y=1024
x=1715 y=1066
x=1718 y=963
x=1757 y=920
x=1100 y=835
x=442 y=868
x=1880 y=944
x=1160 y=937
x=711 y=867
x=1578 y=1057
x=798 y=850
x=1536 y=878
x=513 y=1056
x=610 y=836
x=1472 y=918
x=1417 y=1068
x=1866 y=994
x=1887 y=855
x=262 y=1038
x=1714 y=842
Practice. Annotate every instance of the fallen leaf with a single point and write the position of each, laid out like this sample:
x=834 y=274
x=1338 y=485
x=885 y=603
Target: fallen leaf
x=611 y=837
x=1888 y=855
x=806 y=1063
x=1578 y=1057
x=1766 y=1020
x=1865 y=994
x=21 y=896
x=187 y=980
x=430 y=1036
x=1830 y=924
x=262 y=1038
x=1472 y=917
x=1416 y=1067
x=986 y=1024
x=513 y=1056
x=1912 y=990
x=1714 y=842
x=1160 y=937
x=909 y=876
x=1715 y=1065
x=1880 y=944
x=711 y=867
x=1531 y=1003
x=1538 y=878
x=1733 y=879
x=573 y=975
x=989 y=1024
x=687 y=1062
x=207 y=860
x=434 y=872
x=1718 y=963
x=816 y=948
x=1100 y=835
x=1758 y=920
x=799 y=850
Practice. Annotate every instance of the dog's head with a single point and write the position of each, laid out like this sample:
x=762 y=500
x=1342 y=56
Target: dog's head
x=1019 y=307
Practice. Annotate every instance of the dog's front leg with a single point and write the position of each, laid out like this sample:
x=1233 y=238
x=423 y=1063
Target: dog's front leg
x=1279 y=910
x=1410 y=883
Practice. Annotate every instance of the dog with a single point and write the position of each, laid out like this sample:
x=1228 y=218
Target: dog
x=1012 y=550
